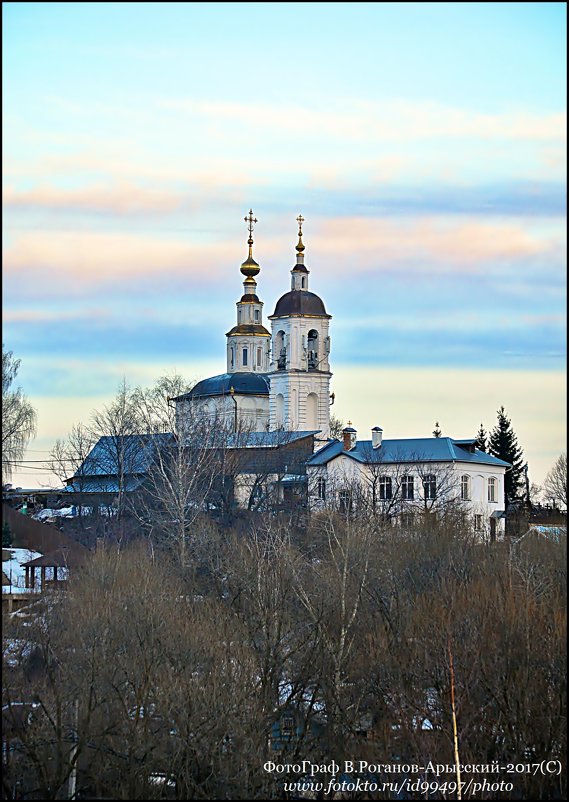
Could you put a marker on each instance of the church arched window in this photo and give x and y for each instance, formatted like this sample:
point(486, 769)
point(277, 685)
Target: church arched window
point(259, 357)
point(279, 410)
point(245, 356)
point(312, 349)
point(257, 316)
point(232, 356)
point(280, 350)
point(312, 410)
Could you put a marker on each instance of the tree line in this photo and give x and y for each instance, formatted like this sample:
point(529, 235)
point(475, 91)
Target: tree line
point(150, 679)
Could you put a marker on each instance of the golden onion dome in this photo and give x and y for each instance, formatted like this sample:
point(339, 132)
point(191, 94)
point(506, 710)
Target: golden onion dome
point(250, 267)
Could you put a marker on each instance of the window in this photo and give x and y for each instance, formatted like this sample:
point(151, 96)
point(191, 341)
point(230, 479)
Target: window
point(287, 725)
point(345, 499)
point(385, 488)
point(407, 490)
point(492, 489)
point(312, 353)
point(430, 486)
point(407, 520)
point(232, 356)
point(465, 494)
point(245, 356)
point(477, 523)
point(280, 350)
point(257, 316)
point(321, 488)
point(259, 357)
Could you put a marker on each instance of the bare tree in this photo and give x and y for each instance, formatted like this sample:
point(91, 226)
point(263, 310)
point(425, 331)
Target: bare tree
point(117, 427)
point(178, 482)
point(19, 418)
point(155, 409)
point(336, 427)
point(331, 588)
point(66, 459)
point(555, 486)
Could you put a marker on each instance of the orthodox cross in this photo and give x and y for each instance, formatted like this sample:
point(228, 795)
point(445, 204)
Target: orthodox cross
point(300, 221)
point(250, 219)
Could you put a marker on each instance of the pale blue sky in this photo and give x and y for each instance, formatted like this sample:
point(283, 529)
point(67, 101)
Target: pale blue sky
point(423, 143)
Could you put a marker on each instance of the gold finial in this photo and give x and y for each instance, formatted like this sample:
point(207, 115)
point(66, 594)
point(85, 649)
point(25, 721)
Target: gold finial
point(250, 267)
point(300, 221)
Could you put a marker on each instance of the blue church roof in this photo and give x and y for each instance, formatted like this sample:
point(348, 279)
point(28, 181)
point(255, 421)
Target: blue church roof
point(136, 452)
point(267, 439)
point(421, 449)
point(242, 383)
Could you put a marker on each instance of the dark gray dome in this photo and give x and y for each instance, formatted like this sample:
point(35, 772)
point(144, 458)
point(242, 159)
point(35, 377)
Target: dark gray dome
point(242, 383)
point(300, 302)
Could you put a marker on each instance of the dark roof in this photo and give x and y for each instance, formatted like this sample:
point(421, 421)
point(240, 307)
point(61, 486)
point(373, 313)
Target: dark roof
point(242, 383)
point(61, 558)
point(137, 451)
point(300, 302)
point(266, 439)
point(104, 484)
point(35, 535)
point(426, 449)
point(250, 297)
point(249, 328)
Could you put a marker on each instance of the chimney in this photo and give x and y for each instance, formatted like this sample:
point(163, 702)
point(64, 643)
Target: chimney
point(350, 436)
point(376, 436)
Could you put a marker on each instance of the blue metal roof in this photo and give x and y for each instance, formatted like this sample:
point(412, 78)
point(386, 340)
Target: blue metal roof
point(425, 449)
point(103, 484)
point(242, 383)
point(266, 439)
point(136, 452)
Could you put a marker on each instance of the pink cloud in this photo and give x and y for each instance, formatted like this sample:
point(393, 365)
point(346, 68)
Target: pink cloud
point(123, 199)
point(88, 259)
point(427, 242)
point(49, 315)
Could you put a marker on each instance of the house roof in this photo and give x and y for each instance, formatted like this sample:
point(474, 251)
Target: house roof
point(60, 558)
point(242, 383)
point(425, 449)
point(104, 484)
point(137, 451)
point(266, 439)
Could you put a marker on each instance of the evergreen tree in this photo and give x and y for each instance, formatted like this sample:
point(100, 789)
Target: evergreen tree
point(437, 430)
point(503, 444)
point(481, 438)
point(6, 535)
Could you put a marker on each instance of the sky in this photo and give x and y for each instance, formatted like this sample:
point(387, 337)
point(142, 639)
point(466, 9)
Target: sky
point(423, 143)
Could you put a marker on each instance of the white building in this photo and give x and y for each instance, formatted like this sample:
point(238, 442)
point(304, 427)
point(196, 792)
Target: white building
point(280, 382)
point(400, 478)
point(272, 382)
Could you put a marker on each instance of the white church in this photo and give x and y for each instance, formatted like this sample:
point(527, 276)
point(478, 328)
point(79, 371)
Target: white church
point(279, 382)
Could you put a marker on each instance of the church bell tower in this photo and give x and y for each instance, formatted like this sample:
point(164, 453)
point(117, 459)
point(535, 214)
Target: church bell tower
point(299, 397)
point(248, 343)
